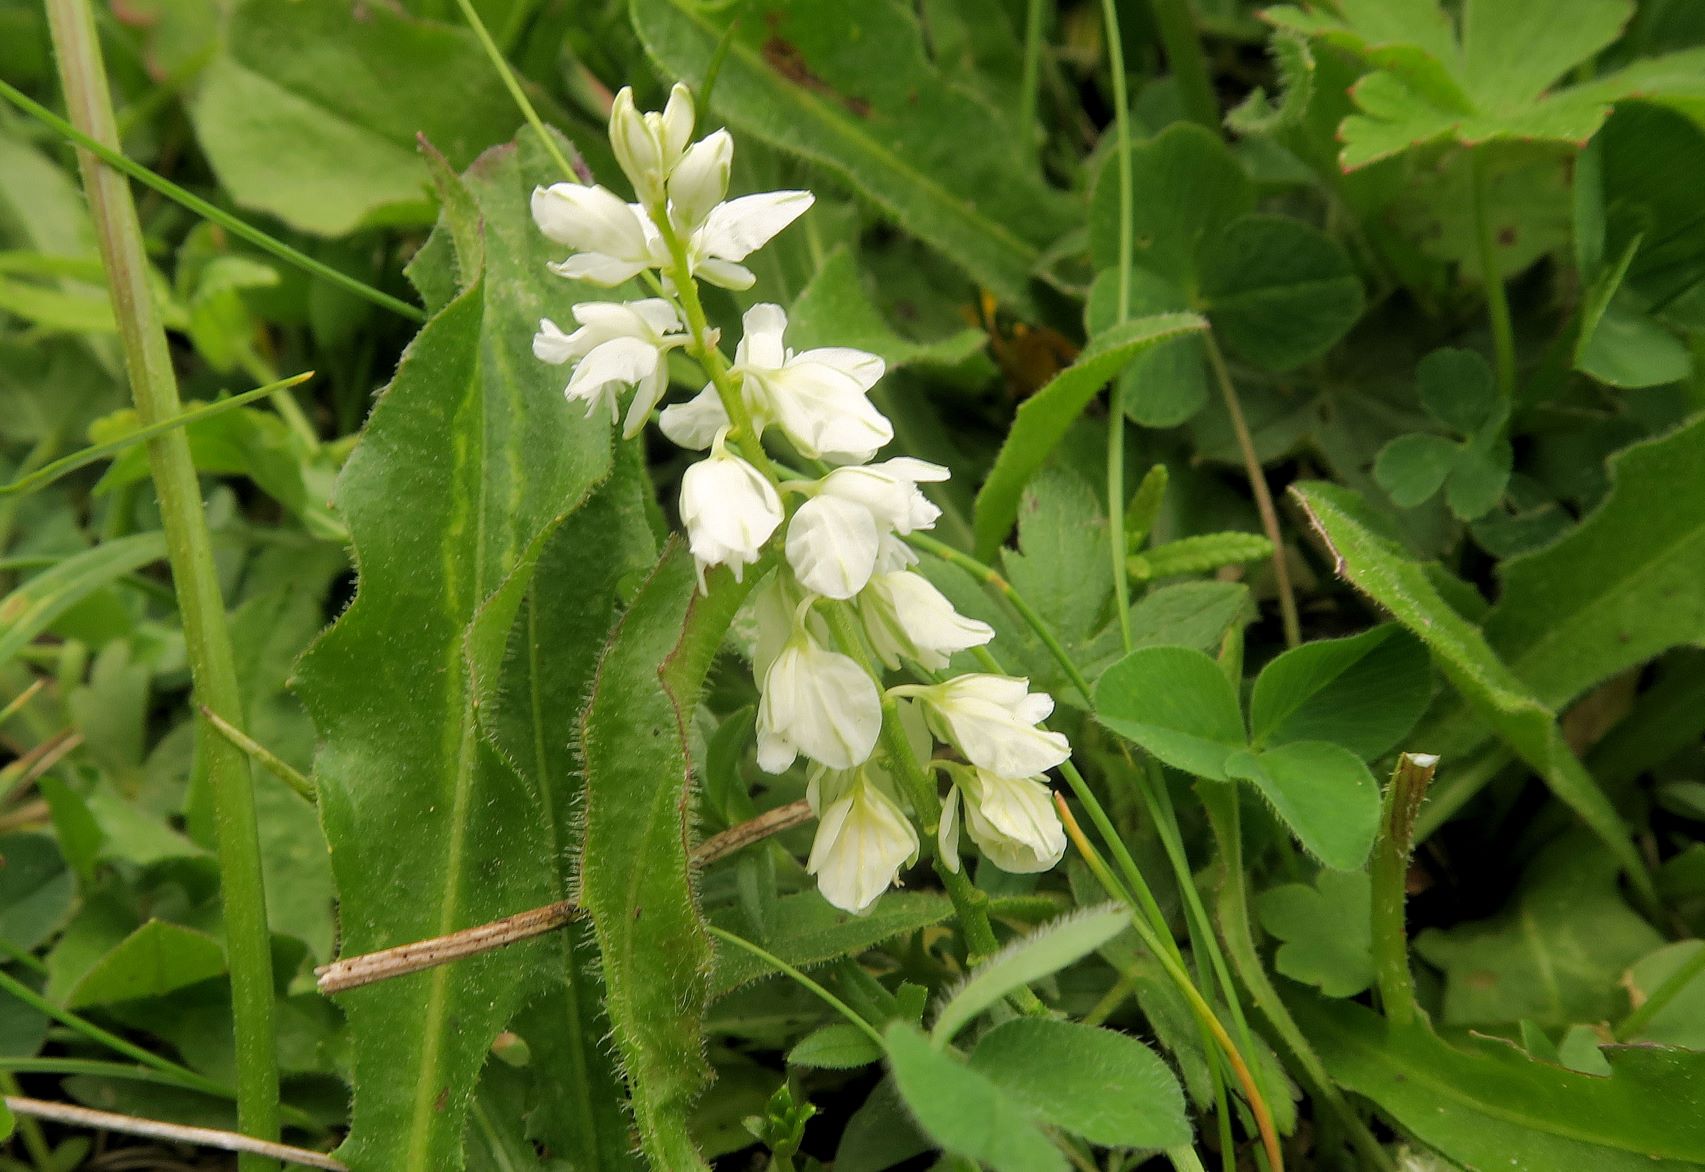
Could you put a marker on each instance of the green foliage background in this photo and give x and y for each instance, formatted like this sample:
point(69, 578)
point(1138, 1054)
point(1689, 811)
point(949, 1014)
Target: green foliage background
point(1399, 306)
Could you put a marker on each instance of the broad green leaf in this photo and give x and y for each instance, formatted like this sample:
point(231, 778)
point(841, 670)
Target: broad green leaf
point(1412, 468)
point(310, 111)
point(1278, 292)
point(1681, 1022)
point(1326, 929)
point(1322, 791)
point(1555, 956)
point(962, 1110)
point(1044, 951)
point(1186, 186)
point(156, 958)
point(1044, 418)
point(806, 930)
point(36, 889)
point(852, 87)
point(636, 880)
point(31, 608)
point(1627, 348)
point(841, 1046)
point(1650, 167)
point(835, 310)
point(1492, 81)
point(1486, 1104)
point(470, 459)
point(1458, 389)
point(1060, 565)
point(1105, 1086)
point(553, 648)
point(1363, 692)
point(1176, 703)
point(1461, 651)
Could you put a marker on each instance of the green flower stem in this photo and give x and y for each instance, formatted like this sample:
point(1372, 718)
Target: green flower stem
point(108, 153)
point(992, 578)
point(1180, 977)
point(1220, 801)
point(1189, 64)
point(781, 966)
point(1116, 497)
point(513, 85)
point(1030, 81)
point(1491, 271)
point(190, 552)
point(1389, 870)
point(1258, 486)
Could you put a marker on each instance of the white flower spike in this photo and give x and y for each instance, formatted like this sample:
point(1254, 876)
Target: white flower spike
point(819, 703)
point(648, 146)
point(610, 238)
point(906, 617)
point(729, 509)
point(992, 720)
point(618, 344)
point(863, 839)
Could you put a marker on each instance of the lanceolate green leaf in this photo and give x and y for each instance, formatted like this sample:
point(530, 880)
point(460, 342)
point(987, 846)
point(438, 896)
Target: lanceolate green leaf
point(1043, 419)
point(528, 708)
point(635, 876)
point(851, 86)
point(470, 459)
point(1486, 1104)
point(28, 610)
point(1460, 650)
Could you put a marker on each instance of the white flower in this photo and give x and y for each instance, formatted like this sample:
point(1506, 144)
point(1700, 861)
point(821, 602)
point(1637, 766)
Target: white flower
point(700, 180)
point(863, 838)
point(1011, 819)
point(905, 615)
point(818, 397)
point(729, 509)
point(734, 230)
point(648, 146)
point(992, 720)
point(889, 490)
point(832, 546)
point(816, 702)
point(618, 344)
point(611, 238)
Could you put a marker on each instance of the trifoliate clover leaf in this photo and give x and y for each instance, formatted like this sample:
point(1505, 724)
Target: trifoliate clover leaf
point(1457, 389)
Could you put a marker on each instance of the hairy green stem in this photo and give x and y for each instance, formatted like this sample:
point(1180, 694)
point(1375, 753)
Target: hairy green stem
point(189, 547)
point(1189, 64)
point(1491, 271)
point(1258, 486)
point(1389, 871)
point(109, 153)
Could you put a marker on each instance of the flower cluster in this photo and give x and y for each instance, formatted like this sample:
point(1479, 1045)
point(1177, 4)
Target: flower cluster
point(842, 602)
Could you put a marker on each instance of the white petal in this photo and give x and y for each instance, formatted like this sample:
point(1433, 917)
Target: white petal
point(985, 717)
point(863, 841)
point(694, 424)
point(647, 392)
point(618, 362)
point(636, 148)
point(905, 615)
point(736, 229)
point(551, 345)
point(677, 121)
point(761, 345)
point(1014, 823)
point(947, 833)
point(589, 219)
point(823, 410)
point(729, 510)
point(595, 268)
point(725, 274)
point(832, 546)
point(824, 702)
point(865, 369)
point(700, 180)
